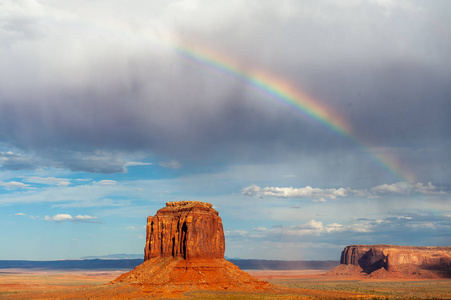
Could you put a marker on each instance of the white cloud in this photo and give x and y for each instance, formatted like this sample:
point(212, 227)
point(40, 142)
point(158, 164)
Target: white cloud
point(171, 164)
point(404, 188)
point(260, 229)
point(84, 195)
point(357, 227)
point(312, 224)
point(48, 180)
point(320, 195)
point(59, 218)
point(137, 163)
point(334, 227)
point(64, 183)
point(320, 200)
point(427, 189)
point(399, 188)
point(373, 231)
point(106, 182)
point(67, 217)
point(84, 217)
point(252, 191)
point(235, 233)
point(20, 214)
point(312, 227)
point(363, 227)
point(14, 184)
point(306, 192)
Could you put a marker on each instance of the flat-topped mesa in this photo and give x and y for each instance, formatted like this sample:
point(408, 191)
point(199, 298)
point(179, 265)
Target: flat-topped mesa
point(397, 258)
point(185, 252)
point(187, 229)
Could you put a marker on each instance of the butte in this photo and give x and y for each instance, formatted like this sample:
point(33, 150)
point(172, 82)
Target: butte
point(391, 261)
point(185, 252)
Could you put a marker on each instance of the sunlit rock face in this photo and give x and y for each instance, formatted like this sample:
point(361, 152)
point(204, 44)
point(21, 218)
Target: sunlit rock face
point(187, 229)
point(397, 258)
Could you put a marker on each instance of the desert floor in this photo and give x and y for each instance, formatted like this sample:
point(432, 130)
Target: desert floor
point(302, 284)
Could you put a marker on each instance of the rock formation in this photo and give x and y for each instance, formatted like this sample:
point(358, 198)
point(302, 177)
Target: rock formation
point(187, 229)
point(185, 251)
point(401, 259)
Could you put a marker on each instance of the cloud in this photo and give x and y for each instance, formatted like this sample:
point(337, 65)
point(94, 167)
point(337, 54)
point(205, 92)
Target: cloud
point(14, 185)
point(15, 161)
point(69, 218)
point(114, 91)
point(106, 182)
point(137, 163)
point(81, 119)
point(320, 195)
point(416, 227)
point(424, 228)
point(320, 200)
point(404, 188)
point(90, 161)
point(413, 225)
point(20, 214)
point(171, 164)
point(306, 192)
point(84, 218)
point(94, 162)
point(59, 218)
point(83, 195)
point(311, 228)
point(48, 180)
point(235, 233)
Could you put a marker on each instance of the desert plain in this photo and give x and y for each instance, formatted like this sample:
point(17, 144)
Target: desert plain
point(289, 284)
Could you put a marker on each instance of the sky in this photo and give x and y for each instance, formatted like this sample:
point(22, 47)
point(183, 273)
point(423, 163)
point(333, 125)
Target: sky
point(309, 125)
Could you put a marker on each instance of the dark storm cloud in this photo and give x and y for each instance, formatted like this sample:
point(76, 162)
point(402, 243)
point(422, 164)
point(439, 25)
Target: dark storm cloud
point(78, 93)
point(13, 161)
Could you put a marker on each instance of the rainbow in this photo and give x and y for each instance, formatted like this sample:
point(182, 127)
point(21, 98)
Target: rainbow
point(282, 91)
point(271, 86)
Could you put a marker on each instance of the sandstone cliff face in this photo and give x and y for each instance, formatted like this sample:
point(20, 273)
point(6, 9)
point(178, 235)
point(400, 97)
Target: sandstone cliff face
point(397, 258)
point(187, 229)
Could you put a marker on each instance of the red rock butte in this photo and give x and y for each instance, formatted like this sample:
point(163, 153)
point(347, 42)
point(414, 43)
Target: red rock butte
point(187, 229)
point(184, 251)
point(399, 261)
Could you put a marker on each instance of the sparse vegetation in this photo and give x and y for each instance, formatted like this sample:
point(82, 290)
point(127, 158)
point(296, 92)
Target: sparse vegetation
point(376, 289)
point(66, 285)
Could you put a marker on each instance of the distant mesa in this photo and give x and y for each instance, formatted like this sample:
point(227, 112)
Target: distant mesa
point(114, 256)
point(394, 261)
point(184, 251)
